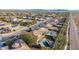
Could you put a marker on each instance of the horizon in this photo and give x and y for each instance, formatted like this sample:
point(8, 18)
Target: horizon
point(41, 9)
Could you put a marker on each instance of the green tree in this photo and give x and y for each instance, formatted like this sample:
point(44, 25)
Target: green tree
point(61, 39)
point(28, 38)
point(9, 44)
point(23, 23)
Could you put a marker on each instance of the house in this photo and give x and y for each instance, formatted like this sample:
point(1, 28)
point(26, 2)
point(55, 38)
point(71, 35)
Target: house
point(50, 21)
point(16, 43)
point(53, 21)
point(55, 29)
point(39, 34)
point(59, 26)
point(39, 31)
point(61, 23)
point(35, 27)
point(42, 25)
point(41, 19)
point(29, 17)
point(47, 43)
point(26, 20)
point(15, 21)
point(44, 43)
point(51, 33)
point(5, 30)
point(49, 26)
point(25, 17)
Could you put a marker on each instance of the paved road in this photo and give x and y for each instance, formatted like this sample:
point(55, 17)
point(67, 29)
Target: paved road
point(74, 38)
point(18, 32)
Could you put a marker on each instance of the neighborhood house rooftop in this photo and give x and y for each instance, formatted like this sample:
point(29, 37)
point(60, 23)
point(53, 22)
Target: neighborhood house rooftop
point(51, 33)
point(39, 31)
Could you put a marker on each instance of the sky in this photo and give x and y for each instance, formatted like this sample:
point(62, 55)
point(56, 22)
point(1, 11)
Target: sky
point(39, 4)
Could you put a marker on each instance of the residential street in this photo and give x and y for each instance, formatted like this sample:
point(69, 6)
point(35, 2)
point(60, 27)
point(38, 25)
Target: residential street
point(74, 38)
point(18, 32)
